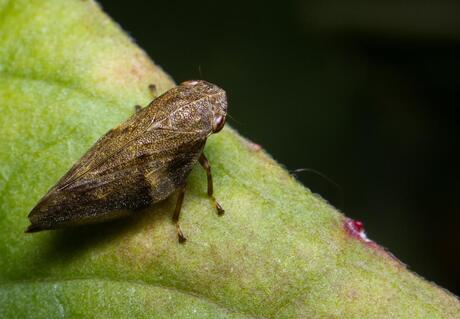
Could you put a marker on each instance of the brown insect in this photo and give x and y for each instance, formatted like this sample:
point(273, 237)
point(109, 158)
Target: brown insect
point(139, 163)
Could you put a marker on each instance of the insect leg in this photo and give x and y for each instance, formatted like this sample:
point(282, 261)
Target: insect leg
point(153, 90)
point(180, 199)
point(204, 162)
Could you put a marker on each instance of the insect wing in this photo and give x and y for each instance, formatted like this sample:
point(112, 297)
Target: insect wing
point(145, 141)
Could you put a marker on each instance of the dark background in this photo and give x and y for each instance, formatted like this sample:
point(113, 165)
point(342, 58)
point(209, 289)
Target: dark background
point(364, 92)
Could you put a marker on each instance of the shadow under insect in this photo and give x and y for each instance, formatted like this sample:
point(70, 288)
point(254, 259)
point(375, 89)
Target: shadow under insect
point(69, 243)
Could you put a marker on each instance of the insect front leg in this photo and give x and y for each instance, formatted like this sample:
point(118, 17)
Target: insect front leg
point(204, 162)
point(153, 93)
point(153, 90)
point(180, 199)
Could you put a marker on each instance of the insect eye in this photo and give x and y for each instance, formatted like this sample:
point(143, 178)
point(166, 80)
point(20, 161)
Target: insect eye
point(219, 123)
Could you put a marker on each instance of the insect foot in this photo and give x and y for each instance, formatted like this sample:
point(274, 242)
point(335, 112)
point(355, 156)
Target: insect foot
point(220, 210)
point(205, 164)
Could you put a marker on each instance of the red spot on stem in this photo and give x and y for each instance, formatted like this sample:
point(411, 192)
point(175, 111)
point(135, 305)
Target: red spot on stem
point(356, 229)
point(358, 225)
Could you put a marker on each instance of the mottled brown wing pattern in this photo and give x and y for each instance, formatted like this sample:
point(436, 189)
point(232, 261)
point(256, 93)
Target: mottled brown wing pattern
point(155, 118)
point(153, 151)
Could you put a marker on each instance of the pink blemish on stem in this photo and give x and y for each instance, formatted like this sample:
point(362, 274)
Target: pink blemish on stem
point(253, 146)
point(356, 229)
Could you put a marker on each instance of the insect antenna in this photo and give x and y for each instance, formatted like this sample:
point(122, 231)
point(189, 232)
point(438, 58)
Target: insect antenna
point(328, 179)
point(234, 119)
point(199, 71)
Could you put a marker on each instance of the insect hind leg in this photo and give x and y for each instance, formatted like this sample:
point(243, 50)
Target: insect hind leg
point(179, 201)
point(137, 108)
point(205, 164)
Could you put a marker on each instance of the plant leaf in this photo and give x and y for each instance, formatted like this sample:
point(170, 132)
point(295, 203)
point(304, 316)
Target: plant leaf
point(67, 75)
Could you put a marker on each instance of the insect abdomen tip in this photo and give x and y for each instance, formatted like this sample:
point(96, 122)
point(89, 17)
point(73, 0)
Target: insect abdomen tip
point(32, 229)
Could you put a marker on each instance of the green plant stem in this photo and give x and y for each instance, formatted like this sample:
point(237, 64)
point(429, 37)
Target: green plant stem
point(67, 75)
